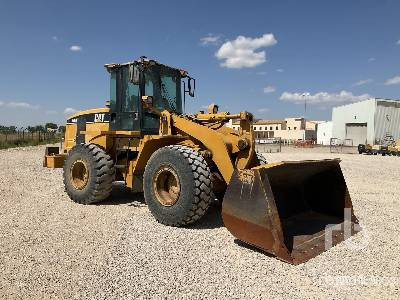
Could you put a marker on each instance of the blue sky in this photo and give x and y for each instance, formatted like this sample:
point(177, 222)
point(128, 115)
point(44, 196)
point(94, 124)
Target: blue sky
point(260, 56)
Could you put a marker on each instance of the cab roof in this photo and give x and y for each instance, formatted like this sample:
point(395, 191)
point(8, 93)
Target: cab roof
point(144, 61)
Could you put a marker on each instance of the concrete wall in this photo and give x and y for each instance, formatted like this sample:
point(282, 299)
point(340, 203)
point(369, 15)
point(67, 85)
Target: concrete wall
point(360, 112)
point(264, 127)
point(292, 135)
point(295, 123)
point(324, 133)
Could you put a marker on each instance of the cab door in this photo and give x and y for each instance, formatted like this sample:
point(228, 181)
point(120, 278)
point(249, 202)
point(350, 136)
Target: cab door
point(150, 121)
point(124, 102)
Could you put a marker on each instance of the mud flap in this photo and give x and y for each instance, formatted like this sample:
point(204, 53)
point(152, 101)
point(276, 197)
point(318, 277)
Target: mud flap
point(293, 210)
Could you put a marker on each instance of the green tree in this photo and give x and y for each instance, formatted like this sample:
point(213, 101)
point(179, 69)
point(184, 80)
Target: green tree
point(8, 128)
point(39, 128)
point(51, 126)
point(61, 129)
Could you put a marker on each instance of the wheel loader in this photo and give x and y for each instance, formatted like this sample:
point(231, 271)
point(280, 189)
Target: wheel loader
point(182, 162)
point(394, 149)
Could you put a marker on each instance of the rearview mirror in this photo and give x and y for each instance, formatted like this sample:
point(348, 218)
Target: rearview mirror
point(191, 86)
point(134, 74)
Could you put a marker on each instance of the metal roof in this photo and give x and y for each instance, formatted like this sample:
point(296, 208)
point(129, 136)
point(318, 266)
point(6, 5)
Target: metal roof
point(145, 61)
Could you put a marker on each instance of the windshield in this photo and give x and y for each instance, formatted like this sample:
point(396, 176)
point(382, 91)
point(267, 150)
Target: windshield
point(164, 85)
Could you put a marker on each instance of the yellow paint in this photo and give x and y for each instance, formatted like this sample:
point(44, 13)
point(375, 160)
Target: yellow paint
point(90, 111)
point(211, 140)
point(70, 136)
point(54, 161)
point(93, 134)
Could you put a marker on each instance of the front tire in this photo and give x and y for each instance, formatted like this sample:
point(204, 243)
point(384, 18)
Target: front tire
point(88, 174)
point(177, 185)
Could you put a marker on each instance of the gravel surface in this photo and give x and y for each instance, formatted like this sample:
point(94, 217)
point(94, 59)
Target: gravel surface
point(51, 247)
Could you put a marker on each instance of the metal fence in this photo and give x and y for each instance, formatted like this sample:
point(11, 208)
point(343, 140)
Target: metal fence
point(23, 135)
point(341, 146)
point(269, 145)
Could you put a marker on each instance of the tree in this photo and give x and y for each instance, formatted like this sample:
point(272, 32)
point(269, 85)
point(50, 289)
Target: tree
point(61, 129)
point(39, 128)
point(51, 126)
point(8, 129)
point(30, 129)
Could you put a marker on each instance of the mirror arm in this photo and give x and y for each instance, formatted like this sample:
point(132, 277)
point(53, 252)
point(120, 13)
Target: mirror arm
point(184, 95)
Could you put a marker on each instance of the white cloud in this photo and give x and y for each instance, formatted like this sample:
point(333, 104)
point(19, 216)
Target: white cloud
point(323, 98)
point(69, 111)
point(75, 48)
point(210, 39)
point(269, 89)
point(263, 110)
point(398, 42)
point(371, 59)
point(241, 52)
point(54, 38)
point(15, 104)
point(280, 70)
point(262, 73)
point(393, 80)
point(362, 82)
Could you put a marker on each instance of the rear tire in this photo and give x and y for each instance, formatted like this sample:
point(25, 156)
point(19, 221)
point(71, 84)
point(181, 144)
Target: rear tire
point(190, 193)
point(88, 174)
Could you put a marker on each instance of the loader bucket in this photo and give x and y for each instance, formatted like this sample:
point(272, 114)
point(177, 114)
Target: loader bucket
point(293, 210)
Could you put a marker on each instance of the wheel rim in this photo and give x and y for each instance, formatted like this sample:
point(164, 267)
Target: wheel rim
point(166, 186)
point(79, 174)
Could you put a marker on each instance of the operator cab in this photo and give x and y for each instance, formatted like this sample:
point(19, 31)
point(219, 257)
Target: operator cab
point(140, 88)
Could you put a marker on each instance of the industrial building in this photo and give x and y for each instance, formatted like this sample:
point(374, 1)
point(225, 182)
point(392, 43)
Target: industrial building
point(367, 121)
point(324, 133)
point(289, 129)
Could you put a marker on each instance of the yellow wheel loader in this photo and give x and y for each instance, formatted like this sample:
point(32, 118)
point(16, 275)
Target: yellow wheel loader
point(182, 162)
point(394, 149)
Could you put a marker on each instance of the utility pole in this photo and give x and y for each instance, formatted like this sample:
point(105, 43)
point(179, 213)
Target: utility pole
point(305, 95)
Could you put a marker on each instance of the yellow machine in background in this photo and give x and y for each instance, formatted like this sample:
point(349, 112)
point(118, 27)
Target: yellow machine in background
point(394, 149)
point(386, 149)
point(182, 162)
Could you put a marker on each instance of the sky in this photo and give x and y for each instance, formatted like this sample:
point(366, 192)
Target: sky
point(266, 57)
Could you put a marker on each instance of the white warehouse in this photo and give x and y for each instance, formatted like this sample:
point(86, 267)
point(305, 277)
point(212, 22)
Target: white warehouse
point(367, 121)
point(324, 133)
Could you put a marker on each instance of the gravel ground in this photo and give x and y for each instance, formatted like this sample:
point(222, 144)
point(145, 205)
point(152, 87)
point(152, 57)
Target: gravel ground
point(53, 248)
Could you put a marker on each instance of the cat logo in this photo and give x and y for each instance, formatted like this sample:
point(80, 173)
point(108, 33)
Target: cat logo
point(98, 118)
